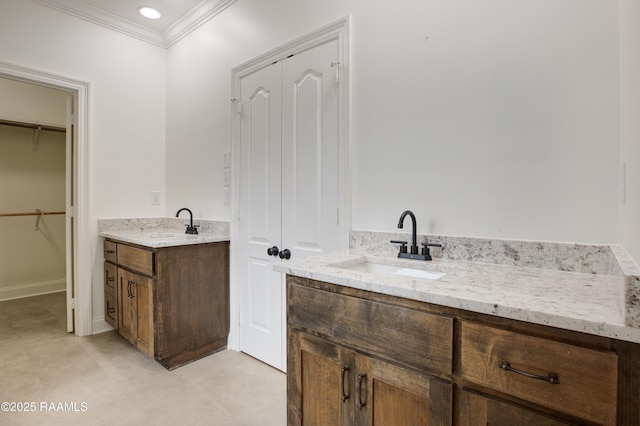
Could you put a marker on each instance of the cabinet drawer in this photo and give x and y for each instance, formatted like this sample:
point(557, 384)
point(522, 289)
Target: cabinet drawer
point(413, 338)
point(110, 276)
point(110, 313)
point(587, 378)
point(477, 410)
point(110, 251)
point(139, 260)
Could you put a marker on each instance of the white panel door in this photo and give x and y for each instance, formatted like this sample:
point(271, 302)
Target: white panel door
point(260, 288)
point(289, 188)
point(310, 152)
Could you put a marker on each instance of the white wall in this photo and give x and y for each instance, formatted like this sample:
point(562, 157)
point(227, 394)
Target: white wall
point(127, 106)
point(486, 118)
point(630, 125)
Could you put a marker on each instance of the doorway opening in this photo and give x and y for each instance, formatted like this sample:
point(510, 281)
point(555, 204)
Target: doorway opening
point(77, 281)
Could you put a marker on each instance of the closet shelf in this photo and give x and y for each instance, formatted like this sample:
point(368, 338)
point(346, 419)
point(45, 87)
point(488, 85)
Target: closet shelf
point(32, 126)
point(36, 213)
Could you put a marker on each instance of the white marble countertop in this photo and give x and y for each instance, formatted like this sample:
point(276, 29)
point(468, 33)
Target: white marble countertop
point(588, 303)
point(155, 238)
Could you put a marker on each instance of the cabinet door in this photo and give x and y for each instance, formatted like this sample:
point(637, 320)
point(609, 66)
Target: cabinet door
point(386, 394)
point(331, 385)
point(320, 382)
point(135, 294)
point(126, 311)
point(477, 410)
point(142, 290)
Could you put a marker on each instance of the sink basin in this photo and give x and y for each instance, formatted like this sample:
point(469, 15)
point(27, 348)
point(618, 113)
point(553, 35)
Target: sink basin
point(163, 235)
point(383, 269)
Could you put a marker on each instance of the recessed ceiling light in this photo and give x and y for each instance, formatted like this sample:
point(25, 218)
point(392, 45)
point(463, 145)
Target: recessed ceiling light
point(149, 12)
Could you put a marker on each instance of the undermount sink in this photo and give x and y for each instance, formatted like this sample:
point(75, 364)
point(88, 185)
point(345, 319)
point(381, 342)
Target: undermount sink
point(163, 235)
point(384, 269)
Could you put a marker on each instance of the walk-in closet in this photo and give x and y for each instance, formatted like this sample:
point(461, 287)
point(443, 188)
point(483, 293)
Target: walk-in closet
point(32, 192)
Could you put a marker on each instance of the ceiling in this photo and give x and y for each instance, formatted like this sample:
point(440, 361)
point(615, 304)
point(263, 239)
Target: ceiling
point(179, 17)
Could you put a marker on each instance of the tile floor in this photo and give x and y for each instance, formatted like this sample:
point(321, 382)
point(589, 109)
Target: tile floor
point(105, 381)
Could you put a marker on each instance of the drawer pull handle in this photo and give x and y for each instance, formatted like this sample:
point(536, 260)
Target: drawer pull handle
point(109, 251)
point(110, 278)
point(344, 395)
point(361, 403)
point(551, 378)
point(130, 285)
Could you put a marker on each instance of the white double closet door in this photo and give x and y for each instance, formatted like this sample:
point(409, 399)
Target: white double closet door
point(288, 188)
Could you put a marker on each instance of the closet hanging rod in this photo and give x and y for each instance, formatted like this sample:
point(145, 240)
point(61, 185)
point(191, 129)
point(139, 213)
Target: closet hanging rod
point(32, 126)
point(29, 214)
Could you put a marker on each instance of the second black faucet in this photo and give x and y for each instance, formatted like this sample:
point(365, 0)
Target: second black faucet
point(413, 253)
point(190, 228)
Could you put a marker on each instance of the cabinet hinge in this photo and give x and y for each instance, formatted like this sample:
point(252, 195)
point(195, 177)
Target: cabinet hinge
point(238, 105)
point(336, 65)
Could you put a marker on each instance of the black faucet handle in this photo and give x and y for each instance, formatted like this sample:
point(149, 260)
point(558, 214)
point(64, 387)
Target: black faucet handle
point(403, 245)
point(426, 244)
point(425, 248)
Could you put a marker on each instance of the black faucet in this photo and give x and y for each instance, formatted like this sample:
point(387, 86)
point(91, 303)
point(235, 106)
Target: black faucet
point(190, 228)
point(413, 254)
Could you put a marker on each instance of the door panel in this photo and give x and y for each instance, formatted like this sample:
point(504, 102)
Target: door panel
point(260, 289)
point(310, 142)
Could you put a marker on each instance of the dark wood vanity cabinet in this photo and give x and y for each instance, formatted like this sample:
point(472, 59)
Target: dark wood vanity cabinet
point(361, 358)
point(172, 303)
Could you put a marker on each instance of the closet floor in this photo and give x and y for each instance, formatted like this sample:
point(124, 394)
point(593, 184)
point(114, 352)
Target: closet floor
point(103, 380)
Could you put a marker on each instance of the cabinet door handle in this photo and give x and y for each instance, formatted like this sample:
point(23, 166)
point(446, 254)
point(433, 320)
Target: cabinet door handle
point(273, 251)
point(361, 403)
point(344, 370)
point(551, 377)
point(131, 284)
point(110, 278)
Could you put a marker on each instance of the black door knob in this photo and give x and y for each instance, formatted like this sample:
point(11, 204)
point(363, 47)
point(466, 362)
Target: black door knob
point(285, 254)
point(273, 251)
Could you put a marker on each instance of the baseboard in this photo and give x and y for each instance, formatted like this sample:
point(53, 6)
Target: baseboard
point(101, 326)
point(32, 289)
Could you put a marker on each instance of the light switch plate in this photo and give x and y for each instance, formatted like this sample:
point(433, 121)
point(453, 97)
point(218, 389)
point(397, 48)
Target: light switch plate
point(155, 198)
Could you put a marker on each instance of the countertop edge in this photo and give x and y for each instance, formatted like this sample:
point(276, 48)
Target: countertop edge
point(174, 240)
point(576, 323)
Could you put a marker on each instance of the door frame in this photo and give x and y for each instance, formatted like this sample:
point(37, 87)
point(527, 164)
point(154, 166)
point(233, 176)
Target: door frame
point(337, 30)
point(79, 235)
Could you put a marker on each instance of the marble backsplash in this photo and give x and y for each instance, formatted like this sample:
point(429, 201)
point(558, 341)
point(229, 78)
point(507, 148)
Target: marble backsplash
point(593, 259)
point(163, 224)
point(583, 258)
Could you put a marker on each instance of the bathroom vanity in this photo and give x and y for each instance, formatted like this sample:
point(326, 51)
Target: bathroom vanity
point(168, 294)
point(365, 347)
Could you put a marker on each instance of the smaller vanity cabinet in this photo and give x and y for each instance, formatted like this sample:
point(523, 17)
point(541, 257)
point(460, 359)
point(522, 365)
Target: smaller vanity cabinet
point(353, 361)
point(171, 303)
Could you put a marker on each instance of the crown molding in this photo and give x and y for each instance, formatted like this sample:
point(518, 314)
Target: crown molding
point(105, 19)
point(197, 16)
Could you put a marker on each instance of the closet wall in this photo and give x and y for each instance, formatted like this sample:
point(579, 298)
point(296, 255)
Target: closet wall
point(31, 177)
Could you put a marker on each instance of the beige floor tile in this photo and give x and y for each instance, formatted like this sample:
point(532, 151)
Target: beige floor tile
point(107, 381)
